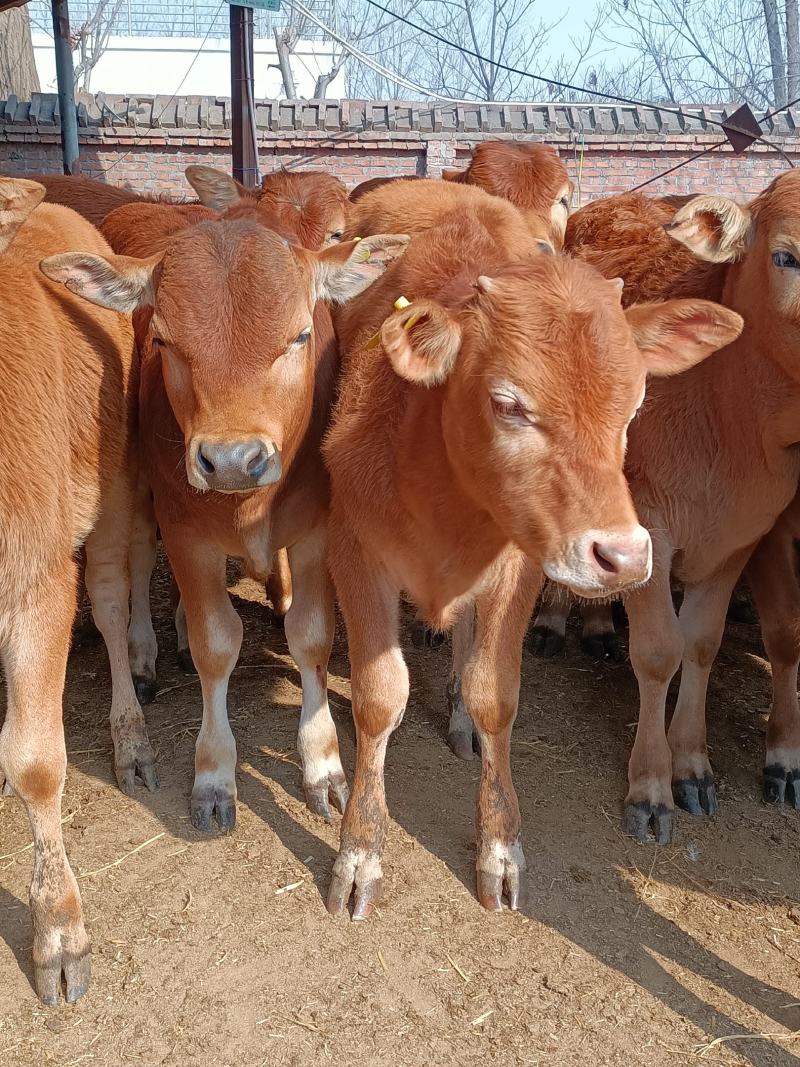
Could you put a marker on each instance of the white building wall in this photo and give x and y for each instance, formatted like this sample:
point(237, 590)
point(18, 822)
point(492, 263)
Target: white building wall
point(161, 65)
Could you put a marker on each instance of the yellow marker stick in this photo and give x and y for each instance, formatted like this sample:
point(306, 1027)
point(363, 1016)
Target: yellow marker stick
point(399, 305)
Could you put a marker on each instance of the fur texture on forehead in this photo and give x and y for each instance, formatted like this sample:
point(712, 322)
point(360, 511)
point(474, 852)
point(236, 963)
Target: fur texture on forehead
point(305, 203)
point(237, 277)
point(529, 175)
point(780, 200)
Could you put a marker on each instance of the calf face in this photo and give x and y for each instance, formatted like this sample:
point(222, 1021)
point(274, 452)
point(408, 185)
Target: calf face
point(233, 319)
point(542, 371)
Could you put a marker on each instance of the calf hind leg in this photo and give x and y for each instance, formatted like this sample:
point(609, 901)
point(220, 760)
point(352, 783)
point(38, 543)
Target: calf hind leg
point(142, 644)
point(599, 639)
point(33, 760)
point(461, 735)
point(549, 634)
point(108, 589)
point(310, 625)
point(773, 580)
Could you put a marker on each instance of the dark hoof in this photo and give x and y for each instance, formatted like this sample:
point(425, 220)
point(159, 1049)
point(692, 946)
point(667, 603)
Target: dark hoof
point(741, 609)
point(185, 661)
point(698, 796)
point(604, 647)
point(319, 795)
point(648, 822)
point(211, 804)
point(423, 636)
point(275, 619)
point(365, 897)
point(77, 972)
point(546, 643)
point(464, 744)
point(146, 689)
point(136, 761)
point(782, 786)
point(494, 888)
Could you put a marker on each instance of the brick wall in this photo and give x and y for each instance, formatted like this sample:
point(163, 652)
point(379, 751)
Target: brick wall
point(145, 143)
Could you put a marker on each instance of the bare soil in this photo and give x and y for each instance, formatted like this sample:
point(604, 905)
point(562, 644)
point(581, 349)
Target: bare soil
point(217, 950)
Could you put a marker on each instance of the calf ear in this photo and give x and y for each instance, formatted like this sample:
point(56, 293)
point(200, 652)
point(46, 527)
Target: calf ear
point(120, 283)
point(214, 188)
point(345, 270)
point(422, 342)
point(674, 335)
point(18, 198)
point(714, 228)
point(450, 175)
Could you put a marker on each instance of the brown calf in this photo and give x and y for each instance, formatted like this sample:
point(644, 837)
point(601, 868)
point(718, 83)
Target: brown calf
point(67, 402)
point(530, 175)
point(481, 443)
point(239, 364)
point(711, 467)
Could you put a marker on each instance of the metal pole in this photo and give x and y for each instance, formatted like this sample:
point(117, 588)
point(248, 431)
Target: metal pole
point(66, 87)
point(245, 152)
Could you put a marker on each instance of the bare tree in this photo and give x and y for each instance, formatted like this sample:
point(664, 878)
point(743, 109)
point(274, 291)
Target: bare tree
point(90, 40)
point(772, 22)
point(18, 75)
point(792, 50)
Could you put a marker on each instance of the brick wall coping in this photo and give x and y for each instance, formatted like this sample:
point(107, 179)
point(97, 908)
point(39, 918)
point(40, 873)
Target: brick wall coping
point(159, 119)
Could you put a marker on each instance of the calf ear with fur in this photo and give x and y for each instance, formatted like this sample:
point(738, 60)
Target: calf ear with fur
point(422, 342)
point(674, 335)
point(18, 198)
point(214, 188)
point(714, 228)
point(120, 283)
point(345, 270)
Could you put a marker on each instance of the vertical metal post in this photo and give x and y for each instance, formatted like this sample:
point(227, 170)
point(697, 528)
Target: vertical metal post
point(66, 86)
point(245, 151)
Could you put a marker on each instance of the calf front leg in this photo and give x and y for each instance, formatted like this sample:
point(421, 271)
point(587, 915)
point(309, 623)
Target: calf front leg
point(279, 587)
point(215, 639)
point(33, 760)
point(702, 622)
point(656, 645)
point(310, 624)
point(142, 644)
point(107, 584)
point(599, 638)
point(772, 573)
point(491, 693)
point(379, 681)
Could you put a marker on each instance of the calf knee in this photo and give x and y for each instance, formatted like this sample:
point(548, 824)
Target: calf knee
point(657, 661)
point(782, 644)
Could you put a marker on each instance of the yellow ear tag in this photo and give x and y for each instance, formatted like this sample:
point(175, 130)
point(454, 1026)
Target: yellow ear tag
point(399, 305)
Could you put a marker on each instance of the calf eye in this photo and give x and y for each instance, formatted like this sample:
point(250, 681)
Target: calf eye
point(509, 409)
point(564, 201)
point(304, 337)
point(783, 258)
point(337, 236)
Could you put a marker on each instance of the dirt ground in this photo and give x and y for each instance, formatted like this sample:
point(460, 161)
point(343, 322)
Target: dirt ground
point(218, 951)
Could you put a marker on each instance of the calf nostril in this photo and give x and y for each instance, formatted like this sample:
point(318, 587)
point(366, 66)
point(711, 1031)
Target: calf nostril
point(204, 463)
point(257, 466)
point(602, 560)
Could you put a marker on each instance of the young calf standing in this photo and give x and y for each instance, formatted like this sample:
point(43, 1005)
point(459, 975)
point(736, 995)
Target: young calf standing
point(479, 444)
point(67, 403)
point(239, 365)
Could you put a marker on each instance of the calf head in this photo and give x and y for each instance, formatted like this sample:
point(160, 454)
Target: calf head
point(310, 205)
point(762, 243)
point(530, 175)
point(541, 372)
point(232, 318)
point(18, 198)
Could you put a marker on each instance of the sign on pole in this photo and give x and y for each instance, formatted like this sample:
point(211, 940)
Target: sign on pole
point(262, 5)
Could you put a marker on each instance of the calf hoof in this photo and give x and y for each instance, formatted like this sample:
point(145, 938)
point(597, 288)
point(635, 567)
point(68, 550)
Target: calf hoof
point(209, 803)
point(68, 956)
point(185, 661)
point(499, 875)
point(146, 688)
point(320, 794)
point(464, 743)
point(276, 619)
point(698, 796)
point(423, 636)
point(603, 646)
point(647, 821)
point(356, 873)
point(546, 643)
point(133, 758)
point(782, 785)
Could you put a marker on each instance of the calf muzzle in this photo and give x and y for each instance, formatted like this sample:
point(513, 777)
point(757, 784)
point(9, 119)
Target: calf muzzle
point(233, 466)
point(600, 563)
